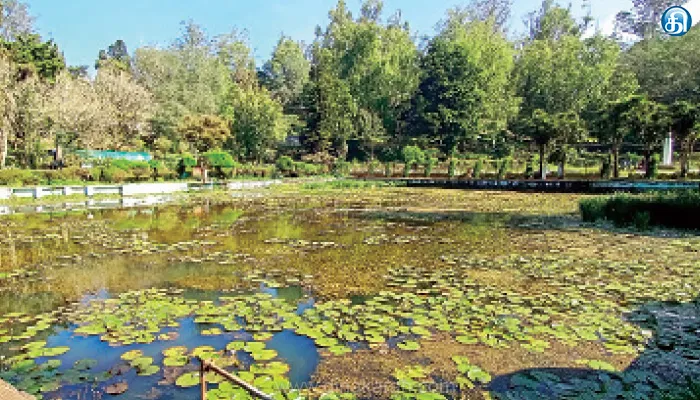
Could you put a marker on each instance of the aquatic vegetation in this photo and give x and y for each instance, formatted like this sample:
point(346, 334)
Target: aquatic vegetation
point(424, 293)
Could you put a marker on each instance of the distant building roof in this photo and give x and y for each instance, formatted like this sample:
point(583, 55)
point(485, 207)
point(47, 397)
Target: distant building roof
point(119, 155)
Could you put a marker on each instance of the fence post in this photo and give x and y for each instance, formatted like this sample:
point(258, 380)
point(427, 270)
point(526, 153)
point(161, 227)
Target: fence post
point(203, 379)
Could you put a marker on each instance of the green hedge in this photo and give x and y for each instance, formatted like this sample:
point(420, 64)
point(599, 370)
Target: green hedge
point(672, 210)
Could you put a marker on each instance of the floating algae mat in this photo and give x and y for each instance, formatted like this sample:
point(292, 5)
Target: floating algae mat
point(339, 294)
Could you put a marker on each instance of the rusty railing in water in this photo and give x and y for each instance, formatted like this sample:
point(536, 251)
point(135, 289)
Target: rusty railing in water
point(206, 366)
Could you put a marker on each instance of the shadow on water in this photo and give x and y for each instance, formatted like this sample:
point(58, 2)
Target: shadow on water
point(514, 220)
point(665, 370)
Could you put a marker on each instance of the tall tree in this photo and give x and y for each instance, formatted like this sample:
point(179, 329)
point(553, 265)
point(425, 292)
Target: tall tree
point(551, 22)
point(609, 126)
point(15, 20)
point(570, 128)
point(7, 105)
point(287, 71)
point(257, 122)
point(541, 127)
point(75, 110)
point(33, 56)
point(79, 71)
point(204, 132)
point(187, 78)
point(129, 104)
point(499, 11)
point(649, 123)
point(235, 53)
point(116, 57)
point(665, 68)
point(685, 124)
point(28, 125)
point(559, 72)
point(643, 19)
point(465, 91)
point(373, 62)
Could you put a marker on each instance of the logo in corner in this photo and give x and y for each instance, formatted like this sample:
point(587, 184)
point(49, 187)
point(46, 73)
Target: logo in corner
point(676, 21)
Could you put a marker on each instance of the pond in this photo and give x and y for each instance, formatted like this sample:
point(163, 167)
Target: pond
point(343, 293)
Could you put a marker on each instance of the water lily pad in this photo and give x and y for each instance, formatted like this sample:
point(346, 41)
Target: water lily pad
point(188, 380)
point(148, 370)
point(409, 345)
point(85, 364)
point(176, 361)
point(132, 355)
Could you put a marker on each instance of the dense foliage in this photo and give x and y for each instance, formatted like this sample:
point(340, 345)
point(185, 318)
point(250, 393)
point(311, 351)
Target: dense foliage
point(674, 210)
point(366, 88)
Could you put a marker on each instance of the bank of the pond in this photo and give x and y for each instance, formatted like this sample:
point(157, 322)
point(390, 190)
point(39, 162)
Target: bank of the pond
point(549, 186)
point(56, 199)
point(134, 189)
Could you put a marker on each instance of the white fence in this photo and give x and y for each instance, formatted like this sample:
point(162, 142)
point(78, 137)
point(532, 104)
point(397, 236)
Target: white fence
point(136, 189)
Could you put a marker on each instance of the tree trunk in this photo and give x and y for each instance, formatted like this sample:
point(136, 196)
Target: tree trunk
point(684, 160)
point(542, 151)
point(616, 161)
point(647, 161)
point(562, 168)
point(3, 148)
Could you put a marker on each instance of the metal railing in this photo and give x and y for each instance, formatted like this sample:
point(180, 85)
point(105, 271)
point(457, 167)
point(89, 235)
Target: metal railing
point(207, 366)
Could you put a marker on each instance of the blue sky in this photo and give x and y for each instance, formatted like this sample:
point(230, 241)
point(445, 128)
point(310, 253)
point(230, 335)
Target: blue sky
point(83, 27)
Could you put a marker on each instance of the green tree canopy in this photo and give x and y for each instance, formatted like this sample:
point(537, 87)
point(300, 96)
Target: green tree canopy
point(465, 91)
point(204, 132)
point(287, 71)
point(257, 122)
point(33, 56)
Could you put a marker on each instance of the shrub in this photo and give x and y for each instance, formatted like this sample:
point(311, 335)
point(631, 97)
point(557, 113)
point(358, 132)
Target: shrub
point(140, 172)
point(529, 169)
point(653, 168)
point(412, 156)
point(68, 174)
point(261, 170)
point(478, 167)
point(341, 168)
point(306, 169)
point(350, 184)
point(185, 165)
point(672, 210)
point(642, 219)
point(83, 174)
point(429, 163)
point(592, 209)
point(18, 177)
point(452, 169)
point(503, 168)
point(166, 173)
point(219, 159)
point(222, 162)
point(373, 166)
point(285, 165)
point(112, 174)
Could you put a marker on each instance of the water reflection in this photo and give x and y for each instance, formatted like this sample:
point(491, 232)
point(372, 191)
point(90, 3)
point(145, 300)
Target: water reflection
point(204, 251)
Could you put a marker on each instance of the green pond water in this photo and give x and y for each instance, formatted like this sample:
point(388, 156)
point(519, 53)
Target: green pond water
point(374, 293)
